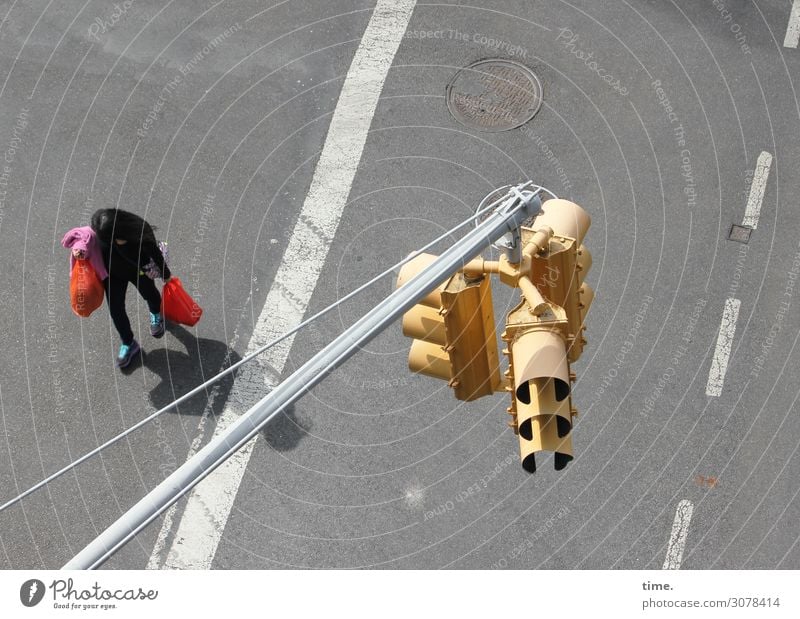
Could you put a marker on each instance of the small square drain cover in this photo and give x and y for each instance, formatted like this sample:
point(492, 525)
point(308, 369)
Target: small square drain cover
point(740, 234)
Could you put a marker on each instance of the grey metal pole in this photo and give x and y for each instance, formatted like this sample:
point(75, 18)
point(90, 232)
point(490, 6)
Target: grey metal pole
point(508, 217)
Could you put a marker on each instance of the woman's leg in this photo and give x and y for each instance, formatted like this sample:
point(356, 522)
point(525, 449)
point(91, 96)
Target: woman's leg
point(147, 288)
point(115, 295)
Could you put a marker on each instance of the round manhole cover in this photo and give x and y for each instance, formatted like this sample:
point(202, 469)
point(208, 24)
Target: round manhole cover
point(494, 95)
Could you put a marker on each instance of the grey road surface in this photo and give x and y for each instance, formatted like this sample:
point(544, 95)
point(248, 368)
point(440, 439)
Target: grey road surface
point(209, 119)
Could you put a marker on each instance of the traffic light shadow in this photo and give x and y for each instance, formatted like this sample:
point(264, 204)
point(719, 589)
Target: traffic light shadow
point(283, 432)
point(180, 372)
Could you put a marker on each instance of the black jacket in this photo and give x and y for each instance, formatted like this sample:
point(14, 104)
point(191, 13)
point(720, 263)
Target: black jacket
point(128, 261)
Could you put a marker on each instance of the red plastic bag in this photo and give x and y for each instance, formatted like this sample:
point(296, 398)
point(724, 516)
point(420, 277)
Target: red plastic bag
point(85, 288)
point(177, 305)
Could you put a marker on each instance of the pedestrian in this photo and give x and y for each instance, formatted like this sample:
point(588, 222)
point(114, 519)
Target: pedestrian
point(130, 254)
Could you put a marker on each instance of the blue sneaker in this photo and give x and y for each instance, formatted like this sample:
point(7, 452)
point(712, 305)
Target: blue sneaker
point(156, 325)
point(126, 353)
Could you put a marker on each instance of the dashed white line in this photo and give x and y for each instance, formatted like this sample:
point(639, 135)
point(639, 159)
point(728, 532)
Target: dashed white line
point(209, 504)
point(677, 537)
point(722, 353)
point(793, 30)
point(757, 188)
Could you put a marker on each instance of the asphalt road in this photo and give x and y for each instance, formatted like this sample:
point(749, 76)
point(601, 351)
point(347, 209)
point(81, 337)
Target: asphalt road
point(654, 118)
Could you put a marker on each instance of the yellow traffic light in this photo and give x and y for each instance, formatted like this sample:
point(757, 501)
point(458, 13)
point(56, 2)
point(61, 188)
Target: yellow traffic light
point(539, 381)
point(454, 333)
point(560, 270)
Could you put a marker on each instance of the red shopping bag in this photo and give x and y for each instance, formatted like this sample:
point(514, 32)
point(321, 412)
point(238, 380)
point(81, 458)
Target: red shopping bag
point(177, 305)
point(85, 288)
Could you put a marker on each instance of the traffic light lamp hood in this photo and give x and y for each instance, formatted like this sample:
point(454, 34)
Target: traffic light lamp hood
point(540, 354)
point(453, 331)
point(565, 218)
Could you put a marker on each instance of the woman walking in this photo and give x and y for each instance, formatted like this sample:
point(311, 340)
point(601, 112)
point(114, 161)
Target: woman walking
point(130, 254)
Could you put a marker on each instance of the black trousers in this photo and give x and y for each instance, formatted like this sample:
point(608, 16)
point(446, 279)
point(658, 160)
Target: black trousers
point(116, 287)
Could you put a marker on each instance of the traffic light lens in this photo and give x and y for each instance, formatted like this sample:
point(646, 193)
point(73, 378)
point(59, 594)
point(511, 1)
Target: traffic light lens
point(560, 387)
point(524, 393)
point(561, 460)
point(529, 463)
point(526, 430)
point(563, 426)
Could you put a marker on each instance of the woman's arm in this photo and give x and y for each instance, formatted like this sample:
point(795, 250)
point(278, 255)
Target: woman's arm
point(154, 252)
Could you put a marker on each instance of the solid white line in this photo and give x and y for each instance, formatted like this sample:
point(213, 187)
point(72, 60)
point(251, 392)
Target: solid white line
point(677, 538)
point(793, 30)
point(157, 555)
point(209, 504)
point(757, 188)
point(719, 364)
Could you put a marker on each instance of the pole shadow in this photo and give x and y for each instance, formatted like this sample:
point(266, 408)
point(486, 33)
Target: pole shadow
point(180, 372)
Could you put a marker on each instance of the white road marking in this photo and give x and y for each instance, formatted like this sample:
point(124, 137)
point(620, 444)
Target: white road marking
point(719, 364)
point(158, 549)
point(793, 30)
point(677, 538)
point(209, 504)
point(757, 188)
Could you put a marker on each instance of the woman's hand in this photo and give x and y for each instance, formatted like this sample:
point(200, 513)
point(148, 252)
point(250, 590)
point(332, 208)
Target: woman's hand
point(78, 254)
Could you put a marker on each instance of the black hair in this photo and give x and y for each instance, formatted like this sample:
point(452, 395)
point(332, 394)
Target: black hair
point(112, 223)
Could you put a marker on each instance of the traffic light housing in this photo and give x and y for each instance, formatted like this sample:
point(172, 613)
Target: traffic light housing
point(559, 271)
point(454, 333)
point(544, 334)
point(539, 380)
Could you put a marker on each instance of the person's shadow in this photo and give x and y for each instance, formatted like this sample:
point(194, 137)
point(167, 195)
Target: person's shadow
point(180, 372)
